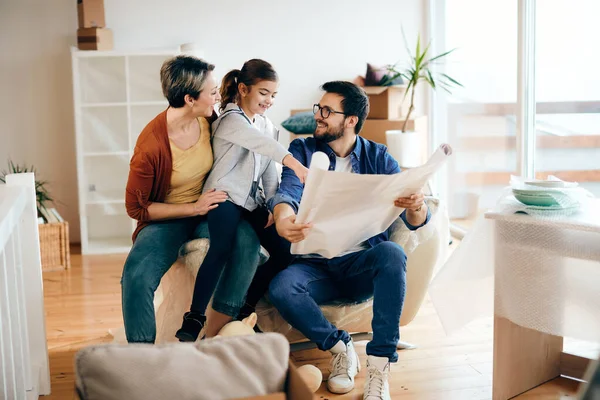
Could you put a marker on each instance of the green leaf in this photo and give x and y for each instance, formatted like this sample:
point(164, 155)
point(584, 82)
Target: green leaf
point(422, 56)
point(441, 55)
point(418, 50)
point(452, 80)
point(430, 79)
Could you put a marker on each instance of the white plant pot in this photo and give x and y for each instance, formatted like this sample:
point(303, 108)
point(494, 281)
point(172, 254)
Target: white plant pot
point(406, 147)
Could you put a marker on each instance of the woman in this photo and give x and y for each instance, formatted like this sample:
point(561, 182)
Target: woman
point(245, 149)
point(171, 160)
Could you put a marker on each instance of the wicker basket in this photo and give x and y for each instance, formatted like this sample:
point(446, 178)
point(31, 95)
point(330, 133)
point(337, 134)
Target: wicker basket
point(54, 246)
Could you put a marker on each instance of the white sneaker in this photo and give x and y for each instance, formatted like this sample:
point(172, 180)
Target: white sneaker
point(376, 386)
point(344, 366)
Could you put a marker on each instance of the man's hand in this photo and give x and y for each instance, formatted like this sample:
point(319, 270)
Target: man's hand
point(289, 230)
point(413, 202)
point(416, 210)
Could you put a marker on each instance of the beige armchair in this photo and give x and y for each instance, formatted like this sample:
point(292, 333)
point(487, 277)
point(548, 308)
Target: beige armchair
point(426, 248)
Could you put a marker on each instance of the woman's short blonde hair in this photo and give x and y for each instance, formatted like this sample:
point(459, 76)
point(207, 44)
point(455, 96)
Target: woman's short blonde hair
point(183, 75)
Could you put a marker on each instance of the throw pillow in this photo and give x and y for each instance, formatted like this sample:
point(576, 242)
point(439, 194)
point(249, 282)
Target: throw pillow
point(301, 123)
point(380, 76)
point(220, 368)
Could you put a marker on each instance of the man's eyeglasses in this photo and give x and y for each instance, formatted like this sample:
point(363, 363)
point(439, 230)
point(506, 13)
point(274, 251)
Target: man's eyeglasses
point(325, 111)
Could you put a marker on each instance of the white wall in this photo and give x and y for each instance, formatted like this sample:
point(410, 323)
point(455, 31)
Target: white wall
point(308, 42)
point(36, 102)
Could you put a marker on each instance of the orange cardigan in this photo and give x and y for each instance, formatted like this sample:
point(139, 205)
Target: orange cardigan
point(150, 170)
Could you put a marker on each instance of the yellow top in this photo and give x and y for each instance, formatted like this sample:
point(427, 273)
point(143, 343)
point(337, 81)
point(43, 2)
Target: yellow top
point(190, 168)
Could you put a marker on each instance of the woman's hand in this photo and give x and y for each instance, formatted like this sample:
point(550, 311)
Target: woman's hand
point(209, 201)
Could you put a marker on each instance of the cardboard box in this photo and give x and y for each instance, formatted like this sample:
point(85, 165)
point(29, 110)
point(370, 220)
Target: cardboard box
point(387, 102)
point(295, 389)
point(94, 39)
point(374, 129)
point(90, 13)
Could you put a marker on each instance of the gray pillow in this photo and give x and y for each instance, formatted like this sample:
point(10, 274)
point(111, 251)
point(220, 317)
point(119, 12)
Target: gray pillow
point(301, 123)
point(220, 368)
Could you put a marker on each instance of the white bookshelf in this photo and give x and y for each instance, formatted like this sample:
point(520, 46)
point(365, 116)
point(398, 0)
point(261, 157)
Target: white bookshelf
point(115, 95)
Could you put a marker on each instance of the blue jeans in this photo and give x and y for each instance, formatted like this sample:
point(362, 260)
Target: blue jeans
point(378, 272)
point(223, 224)
point(156, 249)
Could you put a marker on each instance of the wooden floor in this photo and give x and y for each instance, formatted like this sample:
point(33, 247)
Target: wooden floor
point(84, 303)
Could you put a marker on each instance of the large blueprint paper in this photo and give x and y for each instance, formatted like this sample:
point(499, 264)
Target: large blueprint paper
point(347, 209)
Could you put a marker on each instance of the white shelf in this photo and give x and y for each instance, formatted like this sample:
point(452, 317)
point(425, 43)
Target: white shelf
point(102, 80)
point(141, 114)
point(100, 105)
point(75, 52)
point(162, 103)
point(107, 197)
point(150, 103)
point(115, 245)
point(109, 228)
point(143, 83)
point(106, 154)
point(116, 94)
point(104, 129)
point(108, 201)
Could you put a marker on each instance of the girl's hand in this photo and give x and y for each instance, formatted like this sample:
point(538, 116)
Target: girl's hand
point(300, 170)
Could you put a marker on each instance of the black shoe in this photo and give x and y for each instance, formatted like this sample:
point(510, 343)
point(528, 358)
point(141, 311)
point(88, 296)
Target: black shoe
point(245, 312)
point(191, 327)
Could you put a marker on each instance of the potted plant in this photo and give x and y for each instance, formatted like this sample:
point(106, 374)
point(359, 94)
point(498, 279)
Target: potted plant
point(54, 231)
point(41, 192)
point(405, 145)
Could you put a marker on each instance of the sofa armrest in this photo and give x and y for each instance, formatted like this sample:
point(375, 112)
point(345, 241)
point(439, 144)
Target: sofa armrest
point(426, 249)
point(437, 225)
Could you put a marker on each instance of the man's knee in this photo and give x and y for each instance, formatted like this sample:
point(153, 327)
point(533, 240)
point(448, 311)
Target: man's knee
point(391, 256)
point(281, 287)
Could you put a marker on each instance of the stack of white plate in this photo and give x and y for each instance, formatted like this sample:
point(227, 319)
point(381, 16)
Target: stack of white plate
point(546, 195)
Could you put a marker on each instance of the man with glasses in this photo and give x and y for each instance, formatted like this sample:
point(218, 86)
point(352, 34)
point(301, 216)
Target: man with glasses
point(375, 268)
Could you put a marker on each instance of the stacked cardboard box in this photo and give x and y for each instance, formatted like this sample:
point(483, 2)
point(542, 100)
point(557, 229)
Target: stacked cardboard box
point(92, 33)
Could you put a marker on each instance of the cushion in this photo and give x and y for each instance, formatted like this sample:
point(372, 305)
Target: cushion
point(219, 368)
point(301, 123)
point(375, 76)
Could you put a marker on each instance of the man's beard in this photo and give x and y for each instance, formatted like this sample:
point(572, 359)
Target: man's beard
point(329, 136)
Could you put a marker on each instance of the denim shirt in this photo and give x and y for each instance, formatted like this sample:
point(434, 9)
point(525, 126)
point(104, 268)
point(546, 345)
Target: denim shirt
point(367, 158)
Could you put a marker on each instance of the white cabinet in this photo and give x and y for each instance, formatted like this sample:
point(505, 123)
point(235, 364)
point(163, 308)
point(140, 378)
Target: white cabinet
point(115, 95)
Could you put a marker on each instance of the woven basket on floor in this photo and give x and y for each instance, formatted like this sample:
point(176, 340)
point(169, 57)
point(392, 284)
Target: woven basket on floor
point(54, 246)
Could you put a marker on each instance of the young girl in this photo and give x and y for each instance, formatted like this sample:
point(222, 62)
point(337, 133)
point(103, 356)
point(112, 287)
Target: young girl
point(245, 150)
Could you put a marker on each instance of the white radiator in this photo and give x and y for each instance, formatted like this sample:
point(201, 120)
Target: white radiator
point(24, 369)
